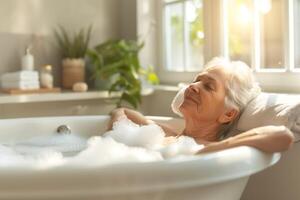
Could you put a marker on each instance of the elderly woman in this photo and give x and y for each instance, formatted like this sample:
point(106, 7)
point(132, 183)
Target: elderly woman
point(211, 103)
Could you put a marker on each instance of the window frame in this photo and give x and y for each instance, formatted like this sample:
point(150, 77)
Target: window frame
point(269, 79)
point(184, 33)
point(210, 47)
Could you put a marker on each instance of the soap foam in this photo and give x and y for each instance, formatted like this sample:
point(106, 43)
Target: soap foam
point(43, 159)
point(127, 142)
point(125, 131)
point(184, 145)
point(102, 151)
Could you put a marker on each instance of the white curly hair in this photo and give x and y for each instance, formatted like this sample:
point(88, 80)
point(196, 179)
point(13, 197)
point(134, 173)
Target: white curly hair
point(241, 86)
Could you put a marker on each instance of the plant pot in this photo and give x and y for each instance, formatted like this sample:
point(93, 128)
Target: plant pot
point(73, 71)
point(104, 84)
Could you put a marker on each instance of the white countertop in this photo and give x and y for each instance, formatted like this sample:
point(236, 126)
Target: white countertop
point(62, 96)
point(69, 95)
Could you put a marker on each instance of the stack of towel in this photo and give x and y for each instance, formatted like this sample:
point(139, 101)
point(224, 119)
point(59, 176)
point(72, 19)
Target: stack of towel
point(20, 80)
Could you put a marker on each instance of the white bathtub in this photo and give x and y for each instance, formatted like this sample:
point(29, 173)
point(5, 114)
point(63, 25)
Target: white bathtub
point(221, 175)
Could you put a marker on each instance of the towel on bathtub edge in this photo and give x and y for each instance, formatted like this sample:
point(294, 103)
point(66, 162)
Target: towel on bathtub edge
point(271, 109)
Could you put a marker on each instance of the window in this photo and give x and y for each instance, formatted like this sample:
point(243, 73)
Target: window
point(263, 33)
point(255, 33)
point(271, 34)
point(296, 24)
point(238, 29)
point(184, 34)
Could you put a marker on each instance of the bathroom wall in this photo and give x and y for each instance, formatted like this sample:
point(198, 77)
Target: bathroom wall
point(128, 19)
point(33, 21)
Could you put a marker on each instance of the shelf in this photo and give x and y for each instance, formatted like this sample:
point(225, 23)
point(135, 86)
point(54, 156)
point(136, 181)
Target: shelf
point(168, 88)
point(62, 96)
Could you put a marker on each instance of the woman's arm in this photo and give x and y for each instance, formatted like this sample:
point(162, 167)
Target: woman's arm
point(268, 139)
point(137, 118)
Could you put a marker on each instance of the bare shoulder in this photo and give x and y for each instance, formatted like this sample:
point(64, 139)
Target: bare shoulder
point(168, 129)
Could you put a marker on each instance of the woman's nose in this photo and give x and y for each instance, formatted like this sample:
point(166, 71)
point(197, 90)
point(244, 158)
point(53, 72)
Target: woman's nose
point(194, 87)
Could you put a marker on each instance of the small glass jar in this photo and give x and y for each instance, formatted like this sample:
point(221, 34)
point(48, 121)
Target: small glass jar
point(46, 77)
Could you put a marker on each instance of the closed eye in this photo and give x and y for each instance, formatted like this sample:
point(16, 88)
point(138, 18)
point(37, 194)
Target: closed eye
point(196, 80)
point(208, 86)
point(208, 82)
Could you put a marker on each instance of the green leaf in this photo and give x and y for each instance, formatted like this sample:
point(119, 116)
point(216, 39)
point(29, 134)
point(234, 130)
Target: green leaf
point(87, 38)
point(111, 68)
point(119, 59)
point(73, 47)
point(130, 99)
point(121, 82)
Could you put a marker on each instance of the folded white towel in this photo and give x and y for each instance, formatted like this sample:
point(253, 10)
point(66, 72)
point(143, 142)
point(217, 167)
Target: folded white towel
point(20, 76)
point(178, 100)
point(20, 85)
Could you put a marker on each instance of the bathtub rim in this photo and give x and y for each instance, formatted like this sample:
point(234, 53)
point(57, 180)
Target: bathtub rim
point(263, 160)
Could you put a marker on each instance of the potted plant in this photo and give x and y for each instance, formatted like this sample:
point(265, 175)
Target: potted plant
point(73, 50)
point(115, 66)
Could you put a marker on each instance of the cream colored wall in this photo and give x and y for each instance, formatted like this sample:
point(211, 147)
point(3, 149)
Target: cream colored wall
point(41, 16)
point(158, 104)
point(33, 21)
point(128, 19)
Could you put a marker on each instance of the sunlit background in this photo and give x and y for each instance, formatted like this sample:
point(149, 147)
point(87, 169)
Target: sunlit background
point(254, 31)
point(184, 35)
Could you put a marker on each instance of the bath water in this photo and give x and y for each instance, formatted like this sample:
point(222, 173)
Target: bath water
point(126, 142)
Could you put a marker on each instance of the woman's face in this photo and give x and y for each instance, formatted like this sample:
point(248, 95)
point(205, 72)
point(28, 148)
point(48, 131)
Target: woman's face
point(204, 98)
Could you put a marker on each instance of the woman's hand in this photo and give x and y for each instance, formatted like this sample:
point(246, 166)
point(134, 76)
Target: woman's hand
point(123, 113)
point(115, 115)
point(138, 118)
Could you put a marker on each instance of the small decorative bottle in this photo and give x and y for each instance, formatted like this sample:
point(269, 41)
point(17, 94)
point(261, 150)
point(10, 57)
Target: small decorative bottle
point(28, 60)
point(46, 77)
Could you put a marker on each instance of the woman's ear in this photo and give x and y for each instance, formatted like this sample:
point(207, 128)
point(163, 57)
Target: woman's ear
point(228, 116)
